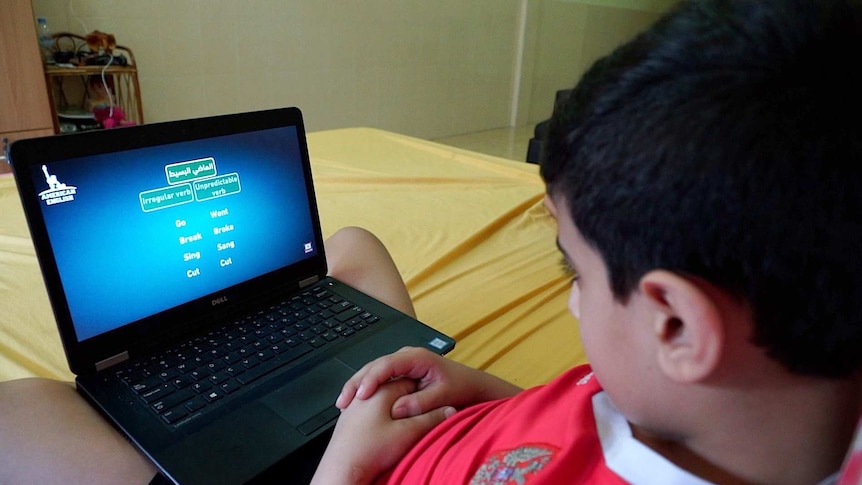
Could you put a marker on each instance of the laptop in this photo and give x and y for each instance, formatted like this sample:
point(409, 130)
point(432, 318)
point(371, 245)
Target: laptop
point(185, 266)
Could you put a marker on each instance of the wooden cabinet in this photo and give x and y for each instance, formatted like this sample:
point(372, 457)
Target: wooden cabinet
point(6, 139)
point(24, 108)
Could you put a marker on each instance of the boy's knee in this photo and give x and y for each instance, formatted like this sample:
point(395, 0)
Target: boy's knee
point(34, 390)
point(352, 245)
point(352, 235)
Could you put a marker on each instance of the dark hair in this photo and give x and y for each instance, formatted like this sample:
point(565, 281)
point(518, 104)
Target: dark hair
point(726, 143)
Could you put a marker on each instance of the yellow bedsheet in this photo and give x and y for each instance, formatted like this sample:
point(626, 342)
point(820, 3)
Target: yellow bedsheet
point(468, 232)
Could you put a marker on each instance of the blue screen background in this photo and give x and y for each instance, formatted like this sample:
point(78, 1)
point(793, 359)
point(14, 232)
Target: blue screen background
point(119, 264)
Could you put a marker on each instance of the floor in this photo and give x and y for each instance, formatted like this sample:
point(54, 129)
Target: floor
point(504, 142)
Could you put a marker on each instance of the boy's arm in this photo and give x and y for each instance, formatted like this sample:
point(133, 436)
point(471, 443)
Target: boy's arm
point(439, 382)
point(368, 441)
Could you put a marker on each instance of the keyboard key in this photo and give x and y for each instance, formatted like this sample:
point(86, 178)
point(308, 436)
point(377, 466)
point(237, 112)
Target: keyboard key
point(153, 394)
point(213, 395)
point(275, 338)
point(341, 306)
point(133, 375)
point(173, 415)
point(182, 382)
point(231, 358)
point(265, 354)
point(230, 386)
point(218, 378)
point(317, 342)
point(235, 370)
point(198, 374)
point(171, 400)
point(330, 335)
point(348, 314)
point(308, 335)
point(201, 387)
point(195, 403)
point(146, 384)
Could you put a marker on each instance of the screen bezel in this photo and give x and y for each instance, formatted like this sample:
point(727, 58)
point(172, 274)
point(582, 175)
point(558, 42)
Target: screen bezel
point(148, 334)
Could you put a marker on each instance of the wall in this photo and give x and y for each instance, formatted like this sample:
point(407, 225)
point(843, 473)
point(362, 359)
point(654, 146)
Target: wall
point(565, 37)
point(428, 68)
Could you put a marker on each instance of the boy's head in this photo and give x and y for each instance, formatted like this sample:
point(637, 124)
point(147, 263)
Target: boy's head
point(724, 145)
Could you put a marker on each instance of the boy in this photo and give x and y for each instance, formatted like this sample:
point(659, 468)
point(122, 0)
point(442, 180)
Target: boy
point(707, 183)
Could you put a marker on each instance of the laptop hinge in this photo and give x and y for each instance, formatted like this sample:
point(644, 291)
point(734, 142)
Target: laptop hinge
point(309, 281)
point(110, 361)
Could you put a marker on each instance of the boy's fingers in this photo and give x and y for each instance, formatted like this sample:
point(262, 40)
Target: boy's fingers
point(345, 397)
point(407, 362)
point(418, 402)
point(360, 386)
point(406, 407)
point(424, 423)
point(411, 405)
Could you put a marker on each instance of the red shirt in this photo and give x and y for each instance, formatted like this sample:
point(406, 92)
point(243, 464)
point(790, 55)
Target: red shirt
point(548, 435)
point(544, 435)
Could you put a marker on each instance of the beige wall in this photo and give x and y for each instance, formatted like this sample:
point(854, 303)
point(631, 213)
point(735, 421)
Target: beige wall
point(427, 68)
point(565, 37)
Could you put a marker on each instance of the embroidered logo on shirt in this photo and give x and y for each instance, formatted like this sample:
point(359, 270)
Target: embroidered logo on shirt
point(510, 467)
point(584, 380)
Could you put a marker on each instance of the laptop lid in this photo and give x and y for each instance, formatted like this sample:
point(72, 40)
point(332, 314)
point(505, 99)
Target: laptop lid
point(149, 233)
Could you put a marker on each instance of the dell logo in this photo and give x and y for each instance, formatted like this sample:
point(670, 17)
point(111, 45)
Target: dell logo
point(220, 300)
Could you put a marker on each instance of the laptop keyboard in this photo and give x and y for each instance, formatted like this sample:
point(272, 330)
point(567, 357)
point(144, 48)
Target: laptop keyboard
point(184, 383)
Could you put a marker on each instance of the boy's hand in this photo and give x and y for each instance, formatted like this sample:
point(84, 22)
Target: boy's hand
point(367, 440)
point(439, 382)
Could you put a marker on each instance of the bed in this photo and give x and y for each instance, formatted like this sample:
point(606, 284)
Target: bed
point(468, 232)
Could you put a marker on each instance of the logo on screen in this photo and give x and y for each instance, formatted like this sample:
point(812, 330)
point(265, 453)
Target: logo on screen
point(58, 192)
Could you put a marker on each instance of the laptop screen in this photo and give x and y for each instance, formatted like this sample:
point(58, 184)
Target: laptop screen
point(140, 231)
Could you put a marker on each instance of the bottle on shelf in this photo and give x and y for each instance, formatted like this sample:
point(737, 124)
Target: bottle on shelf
point(46, 40)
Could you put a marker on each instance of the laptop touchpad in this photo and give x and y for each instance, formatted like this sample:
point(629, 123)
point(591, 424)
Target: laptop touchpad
point(312, 395)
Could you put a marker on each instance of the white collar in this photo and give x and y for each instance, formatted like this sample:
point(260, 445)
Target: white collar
point(634, 461)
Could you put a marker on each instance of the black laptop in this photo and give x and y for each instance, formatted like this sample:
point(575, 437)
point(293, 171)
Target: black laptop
point(185, 265)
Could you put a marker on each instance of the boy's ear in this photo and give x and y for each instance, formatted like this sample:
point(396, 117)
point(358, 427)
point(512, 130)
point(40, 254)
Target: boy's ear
point(687, 325)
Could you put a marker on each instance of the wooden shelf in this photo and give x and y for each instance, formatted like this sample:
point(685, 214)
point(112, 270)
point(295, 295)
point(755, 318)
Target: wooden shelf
point(69, 87)
point(54, 71)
